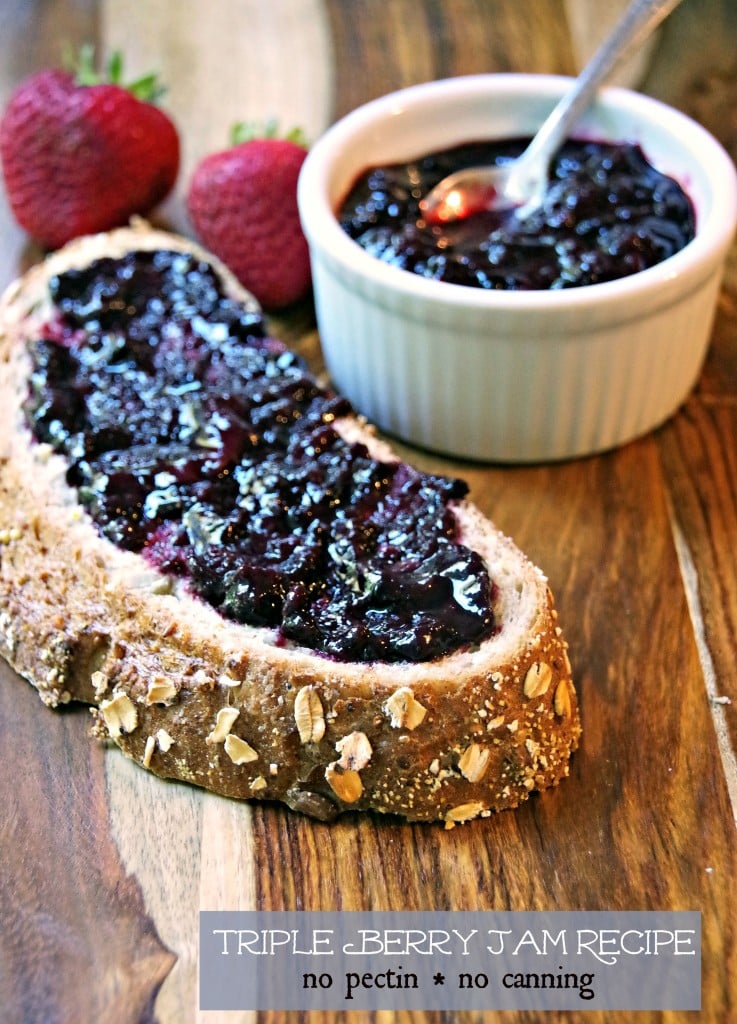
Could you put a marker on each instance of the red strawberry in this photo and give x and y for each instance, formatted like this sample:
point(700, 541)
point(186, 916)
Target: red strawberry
point(243, 205)
point(80, 155)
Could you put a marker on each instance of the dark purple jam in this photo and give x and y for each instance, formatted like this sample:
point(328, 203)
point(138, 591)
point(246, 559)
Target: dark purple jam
point(199, 441)
point(607, 214)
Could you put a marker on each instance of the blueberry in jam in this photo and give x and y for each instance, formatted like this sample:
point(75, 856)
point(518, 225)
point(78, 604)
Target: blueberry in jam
point(607, 214)
point(199, 441)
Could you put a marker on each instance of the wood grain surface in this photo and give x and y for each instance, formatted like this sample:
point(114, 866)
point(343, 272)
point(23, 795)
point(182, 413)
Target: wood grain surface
point(104, 869)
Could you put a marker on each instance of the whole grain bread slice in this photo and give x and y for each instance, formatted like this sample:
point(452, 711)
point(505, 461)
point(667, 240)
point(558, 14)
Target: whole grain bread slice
point(194, 697)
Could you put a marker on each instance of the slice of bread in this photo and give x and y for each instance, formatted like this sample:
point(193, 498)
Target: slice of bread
point(192, 696)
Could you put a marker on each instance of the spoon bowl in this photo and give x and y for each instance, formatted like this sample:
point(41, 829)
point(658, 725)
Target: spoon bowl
point(521, 183)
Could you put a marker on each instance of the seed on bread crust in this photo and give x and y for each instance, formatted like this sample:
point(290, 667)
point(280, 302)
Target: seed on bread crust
point(100, 683)
point(160, 739)
point(308, 714)
point(239, 751)
point(346, 785)
point(202, 680)
point(562, 700)
point(228, 680)
point(404, 710)
point(160, 691)
point(474, 761)
point(148, 751)
point(465, 812)
point(120, 714)
point(223, 724)
point(537, 680)
point(355, 751)
point(164, 740)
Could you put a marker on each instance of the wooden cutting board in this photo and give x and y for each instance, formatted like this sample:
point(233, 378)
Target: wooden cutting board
point(104, 869)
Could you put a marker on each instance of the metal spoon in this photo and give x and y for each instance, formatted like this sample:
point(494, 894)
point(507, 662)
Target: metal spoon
point(522, 182)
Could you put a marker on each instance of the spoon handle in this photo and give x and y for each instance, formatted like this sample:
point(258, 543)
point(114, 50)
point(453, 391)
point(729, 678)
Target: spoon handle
point(639, 19)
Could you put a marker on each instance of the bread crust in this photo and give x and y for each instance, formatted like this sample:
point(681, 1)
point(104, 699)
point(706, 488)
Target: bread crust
point(194, 697)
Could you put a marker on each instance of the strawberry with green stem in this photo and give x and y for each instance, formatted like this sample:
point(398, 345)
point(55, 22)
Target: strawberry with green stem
point(242, 202)
point(83, 153)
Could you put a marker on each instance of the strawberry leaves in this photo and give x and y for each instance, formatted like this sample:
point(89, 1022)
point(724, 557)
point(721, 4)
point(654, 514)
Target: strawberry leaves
point(247, 131)
point(146, 88)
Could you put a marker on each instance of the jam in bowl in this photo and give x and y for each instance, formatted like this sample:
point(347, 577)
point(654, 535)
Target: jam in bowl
point(606, 213)
point(509, 373)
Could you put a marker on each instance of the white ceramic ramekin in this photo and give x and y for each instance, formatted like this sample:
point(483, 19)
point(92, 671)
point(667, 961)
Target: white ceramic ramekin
point(513, 376)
